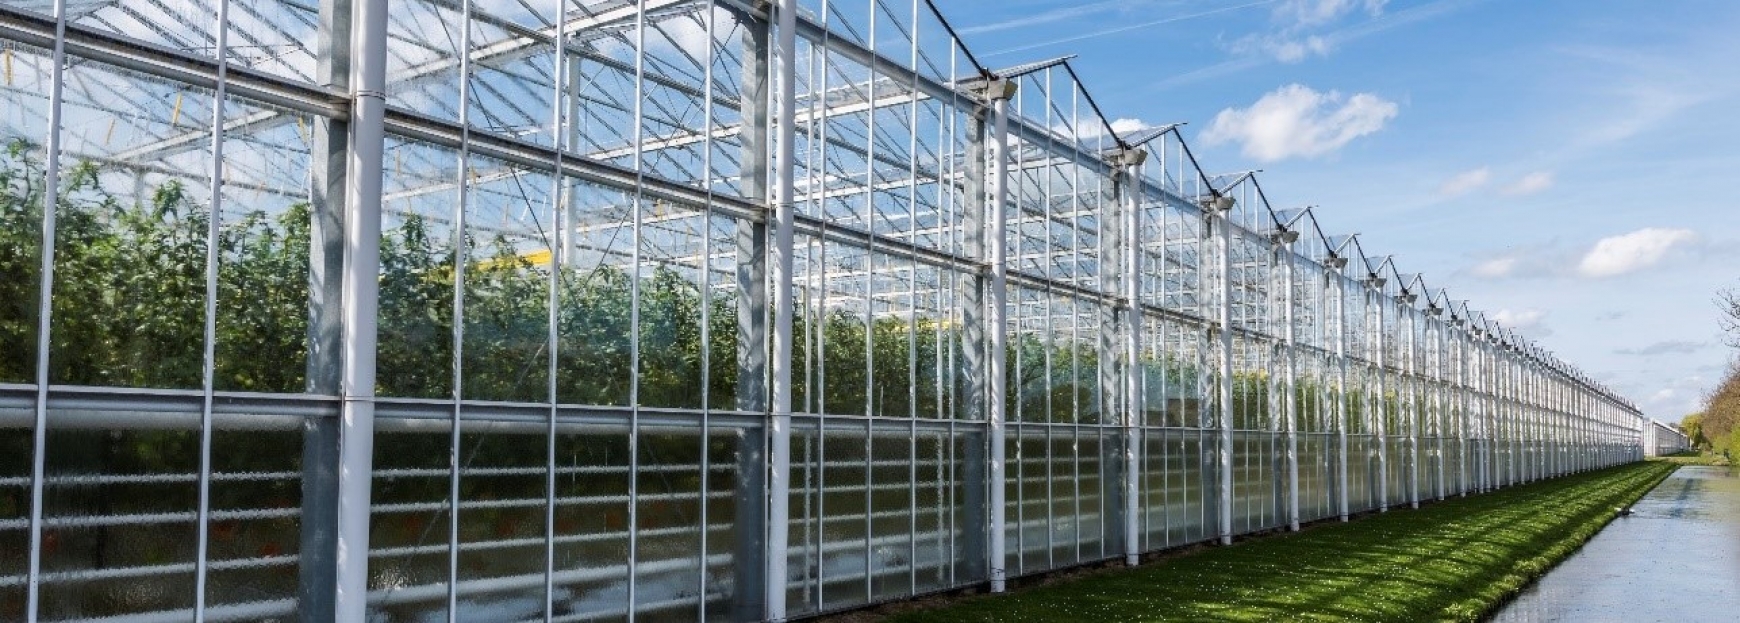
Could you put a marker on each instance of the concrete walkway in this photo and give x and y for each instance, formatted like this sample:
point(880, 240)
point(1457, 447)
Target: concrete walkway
point(1676, 558)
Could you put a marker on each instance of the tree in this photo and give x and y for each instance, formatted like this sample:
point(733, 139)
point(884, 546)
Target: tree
point(1728, 301)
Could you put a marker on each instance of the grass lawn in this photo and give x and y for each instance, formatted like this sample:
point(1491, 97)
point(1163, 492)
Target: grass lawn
point(1446, 561)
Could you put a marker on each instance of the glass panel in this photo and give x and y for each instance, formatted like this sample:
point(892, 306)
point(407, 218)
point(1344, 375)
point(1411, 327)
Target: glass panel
point(502, 499)
point(129, 292)
point(594, 349)
point(408, 522)
point(16, 452)
point(120, 528)
point(509, 237)
point(23, 176)
point(263, 243)
point(256, 496)
point(592, 524)
point(415, 324)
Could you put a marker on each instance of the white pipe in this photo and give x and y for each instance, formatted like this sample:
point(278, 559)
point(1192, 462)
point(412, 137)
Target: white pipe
point(779, 424)
point(362, 260)
point(996, 317)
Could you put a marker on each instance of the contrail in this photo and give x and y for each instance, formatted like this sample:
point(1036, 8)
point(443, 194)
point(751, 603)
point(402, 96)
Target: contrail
point(1108, 31)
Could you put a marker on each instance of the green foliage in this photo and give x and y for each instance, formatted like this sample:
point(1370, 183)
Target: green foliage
point(21, 197)
point(1452, 560)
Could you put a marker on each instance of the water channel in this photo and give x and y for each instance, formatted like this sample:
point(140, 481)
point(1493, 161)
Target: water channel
point(1675, 558)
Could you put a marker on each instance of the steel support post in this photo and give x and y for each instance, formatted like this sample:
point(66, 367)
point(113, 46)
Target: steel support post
point(997, 219)
point(328, 147)
point(361, 293)
point(780, 273)
point(45, 311)
point(1290, 384)
point(1223, 279)
point(1411, 382)
point(1441, 384)
point(976, 538)
point(1465, 423)
point(1379, 412)
point(1111, 371)
point(750, 554)
point(1340, 324)
point(1130, 196)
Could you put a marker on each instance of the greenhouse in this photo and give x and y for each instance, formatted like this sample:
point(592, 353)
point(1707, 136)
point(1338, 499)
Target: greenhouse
point(671, 310)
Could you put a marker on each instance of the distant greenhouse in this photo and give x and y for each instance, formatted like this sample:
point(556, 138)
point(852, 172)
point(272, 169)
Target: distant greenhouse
point(670, 310)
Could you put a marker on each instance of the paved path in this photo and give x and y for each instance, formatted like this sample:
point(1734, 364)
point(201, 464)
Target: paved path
point(1676, 558)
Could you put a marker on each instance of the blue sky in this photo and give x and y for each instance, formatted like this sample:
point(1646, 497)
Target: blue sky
point(1567, 166)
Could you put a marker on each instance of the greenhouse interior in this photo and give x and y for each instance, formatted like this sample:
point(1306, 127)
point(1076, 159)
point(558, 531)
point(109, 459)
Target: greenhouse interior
point(672, 310)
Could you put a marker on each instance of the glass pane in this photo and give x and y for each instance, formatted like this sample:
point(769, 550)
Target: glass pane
point(120, 502)
point(23, 179)
point(263, 266)
point(130, 238)
point(415, 324)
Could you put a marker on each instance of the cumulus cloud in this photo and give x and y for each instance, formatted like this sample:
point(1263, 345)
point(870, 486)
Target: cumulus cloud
point(1295, 120)
point(1626, 253)
point(1465, 181)
point(1530, 322)
point(1529, 184)
point(1669, 347)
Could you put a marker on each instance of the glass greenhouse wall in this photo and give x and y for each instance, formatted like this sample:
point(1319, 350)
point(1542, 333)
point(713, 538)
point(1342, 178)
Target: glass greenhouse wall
point(668, 310)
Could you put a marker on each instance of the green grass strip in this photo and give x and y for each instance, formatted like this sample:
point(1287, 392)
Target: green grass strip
point(1453, 560)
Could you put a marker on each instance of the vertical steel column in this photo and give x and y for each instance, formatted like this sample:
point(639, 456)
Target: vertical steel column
point(1130, 160)
point(976, 481)
point(208, 360)
point(1410, 371)
point(361, 297)
point(1223, 220)
point(1378, 413)
point(1290, 384)
point(997, 187)
point(1337, 280)
point(779, 420)
point(328, 147)
point(45, 310)
point(749, 555)
point(1465, 425)
point(1113, 366)
point(1440, 384)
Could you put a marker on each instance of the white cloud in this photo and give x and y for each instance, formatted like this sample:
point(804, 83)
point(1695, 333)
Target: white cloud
point(1281, 47)
point(1530, 184)
point(1295, 120)
point(1530, 322)
point(1496, 268)
point(1306, 13)
point(1625, 253)
point(1466, 181)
